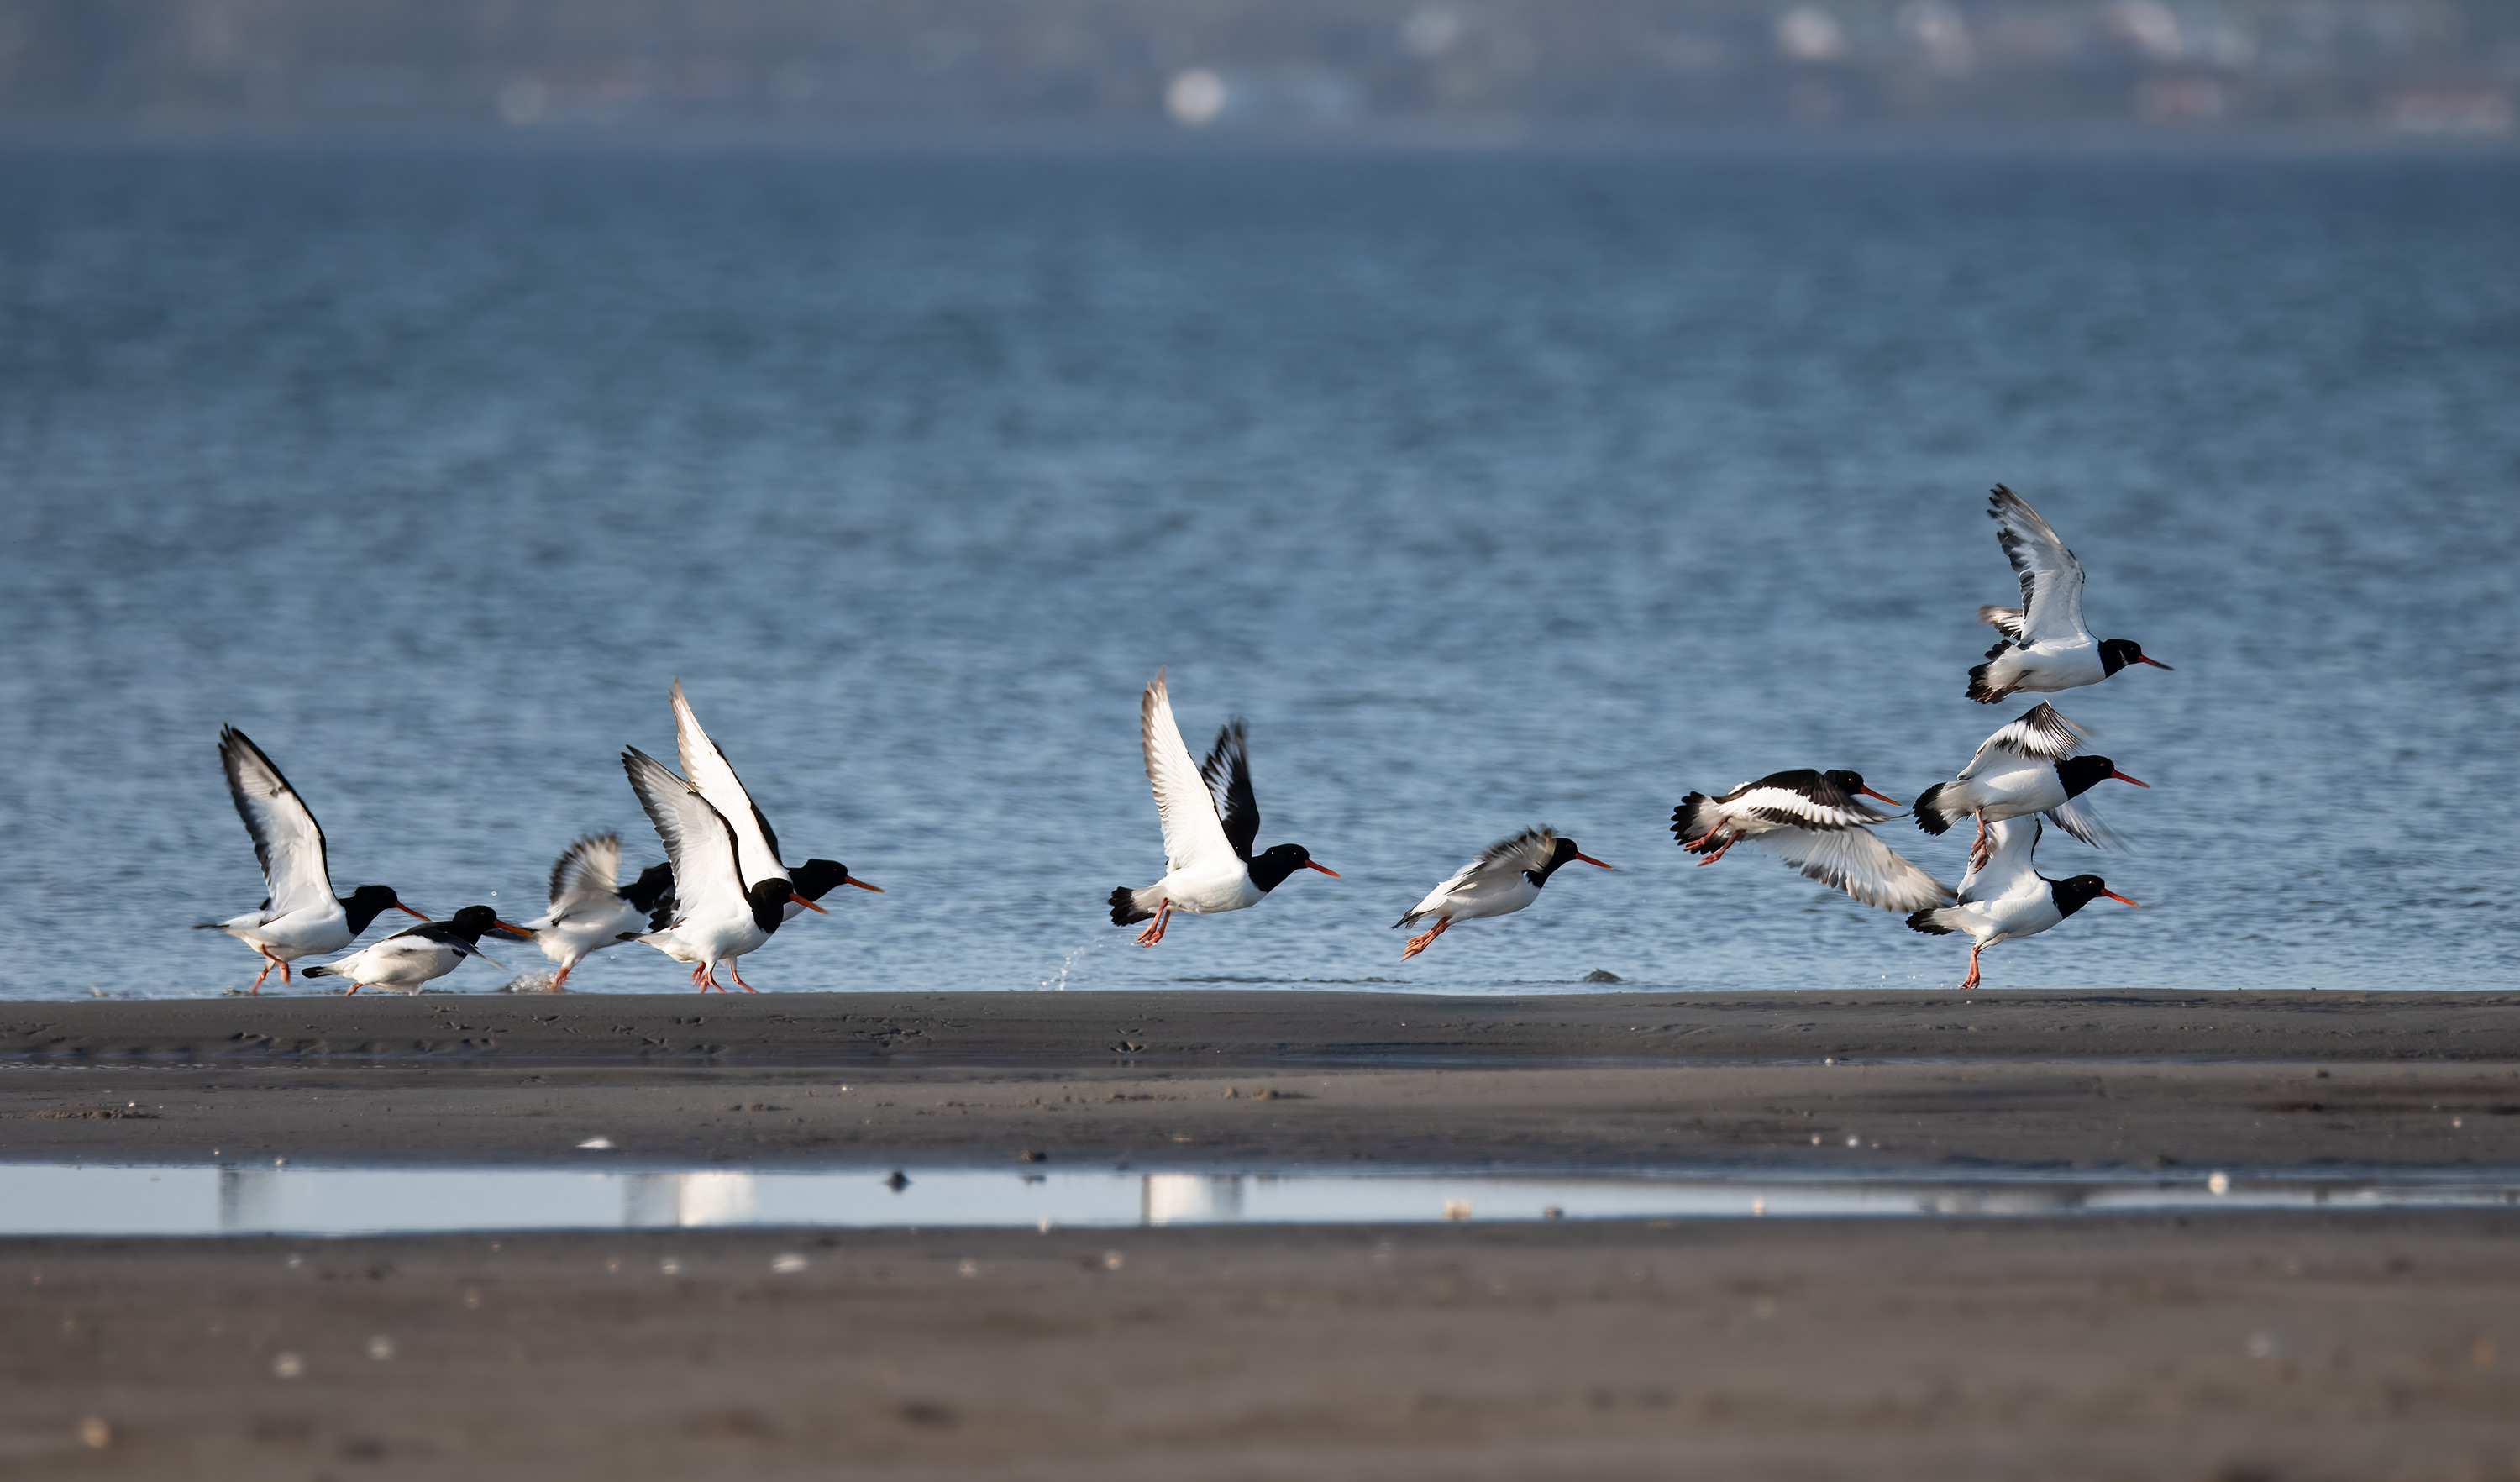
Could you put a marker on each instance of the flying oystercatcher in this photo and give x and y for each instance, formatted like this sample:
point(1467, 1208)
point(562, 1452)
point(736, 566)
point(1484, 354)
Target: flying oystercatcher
point(718, 916)
point(589, 911)
point(758, 844)
point(1814, 822)
point(2007, 897)
point(412, 956)
point(2045, 646)
point(300, 916)
point(1506, 877)
point(1210, 817)
point(2026, 767)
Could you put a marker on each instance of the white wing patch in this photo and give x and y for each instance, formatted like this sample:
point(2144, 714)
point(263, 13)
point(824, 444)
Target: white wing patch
point(586, 877)
point(1784, 807)
point(286, 841)
point(2080, 819)
point(697, 838)
point(2052, 579)
point(2004, 621)
point(1857, 862)
point(716, 779)
point(1194, 836)
point(2011, 845)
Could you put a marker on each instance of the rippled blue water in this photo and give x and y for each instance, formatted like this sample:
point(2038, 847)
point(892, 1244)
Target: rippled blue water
point(1494, 490)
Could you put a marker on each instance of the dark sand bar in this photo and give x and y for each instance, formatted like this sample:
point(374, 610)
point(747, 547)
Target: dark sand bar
point(2319, 1344)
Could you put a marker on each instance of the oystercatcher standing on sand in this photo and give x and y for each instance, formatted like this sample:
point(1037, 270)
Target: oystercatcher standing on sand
point(589, 911)
point(2045, 644)
point(1814, 822)
point(300, 916)
point(1211, 818)
point(2007, 897)
point(1506, 877)
point(2027, 767)
point(404, 961)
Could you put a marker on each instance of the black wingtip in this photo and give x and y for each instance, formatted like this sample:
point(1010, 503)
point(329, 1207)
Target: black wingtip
point(1683, 820)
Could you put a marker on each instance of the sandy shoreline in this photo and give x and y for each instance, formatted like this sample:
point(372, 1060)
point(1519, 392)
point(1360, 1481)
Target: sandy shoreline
point(2220, 1345)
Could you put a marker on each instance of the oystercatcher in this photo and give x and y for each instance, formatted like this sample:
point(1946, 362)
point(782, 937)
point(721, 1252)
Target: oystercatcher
point(2007, 897)
point(2045, 646)
point(2026, 767)
point(756, 842)
point(300, 916)
point(588, 912)
point(1812, 822)
point(412, 956)
point(717, 916)
point(1506, 877)
point(1211, 819)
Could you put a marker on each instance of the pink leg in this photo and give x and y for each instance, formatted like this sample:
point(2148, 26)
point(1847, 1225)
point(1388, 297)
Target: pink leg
point(1970, 982)
point(1721, 852)
point(558, 978)
point(1423, 940)
point(737, 973)
point(1155, 932)
point(269, 962)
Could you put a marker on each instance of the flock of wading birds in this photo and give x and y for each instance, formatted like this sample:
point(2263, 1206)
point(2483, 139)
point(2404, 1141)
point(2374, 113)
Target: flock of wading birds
point(724, 891)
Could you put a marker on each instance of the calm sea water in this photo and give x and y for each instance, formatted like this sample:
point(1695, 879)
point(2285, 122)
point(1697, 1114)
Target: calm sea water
point(1493, 490)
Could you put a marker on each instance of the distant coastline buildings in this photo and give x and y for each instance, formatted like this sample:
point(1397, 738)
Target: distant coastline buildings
point(1468, 67)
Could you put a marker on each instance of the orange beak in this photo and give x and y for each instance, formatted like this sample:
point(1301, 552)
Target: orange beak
point(2122, 777)
point(2122, 900)
point(519, 932)
point(1868, 792)
point(862, 885)
point(1324, 868)
point(1590, 860)
point(407, 911)
point(2156, 663)
point(808, 905)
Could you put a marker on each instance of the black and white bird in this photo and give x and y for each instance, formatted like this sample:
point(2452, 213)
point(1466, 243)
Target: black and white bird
point(1506, 877)
point(300, 916)
point(1816, 823)
point(411, 956)
point(2007, 897)
point(758, 844)
point(1211, 819)
point(718, 916)
point(2026, 767)
point(2045, 646)
point(590, 911)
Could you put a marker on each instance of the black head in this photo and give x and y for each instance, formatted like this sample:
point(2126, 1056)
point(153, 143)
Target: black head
point(1566, 853)
point(473, 922)
point(2072, 895)
point(768, 900)
point(2080, 773)
point(653, 885)
point(367, 901)
point(817, 878)
point(1851, 785)
point(1273, 865)
point(2117, 653)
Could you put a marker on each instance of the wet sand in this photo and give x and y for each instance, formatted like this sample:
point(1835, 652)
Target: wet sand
point(2232, 1345)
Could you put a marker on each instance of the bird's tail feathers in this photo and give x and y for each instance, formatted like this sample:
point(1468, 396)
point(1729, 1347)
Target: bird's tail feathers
point(1935, 920)
point(1128, 909)
point(319, 971)
point(1985, 690)
point(1932, 816)
point(1692, 820)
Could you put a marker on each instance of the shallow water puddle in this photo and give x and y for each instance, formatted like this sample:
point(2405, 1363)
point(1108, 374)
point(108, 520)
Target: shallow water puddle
point(194, 1200)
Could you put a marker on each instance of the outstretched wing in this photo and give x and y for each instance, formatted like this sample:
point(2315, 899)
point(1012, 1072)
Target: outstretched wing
point(2052, 579)
point(2004, 621)
point(1228, 774)
point(2012, 844)
point(697, 838)
point(2080, 819)
point(757, 847)
point(2040, 734)
point(1193, 831)
point(1802, 799)
point(285, 837)
point(586, 877)
point(1857, 862)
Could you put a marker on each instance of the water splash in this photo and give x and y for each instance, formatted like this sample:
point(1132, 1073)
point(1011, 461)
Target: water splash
point(1067, 965)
